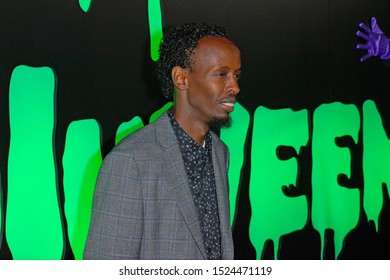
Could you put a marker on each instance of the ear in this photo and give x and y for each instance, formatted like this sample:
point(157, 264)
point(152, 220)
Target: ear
point(179, 78)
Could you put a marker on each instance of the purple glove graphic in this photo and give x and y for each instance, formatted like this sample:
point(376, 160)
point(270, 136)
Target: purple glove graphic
point(377, 44)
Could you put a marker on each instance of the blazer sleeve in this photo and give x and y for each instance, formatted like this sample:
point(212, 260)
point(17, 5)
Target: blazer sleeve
point(116, 227)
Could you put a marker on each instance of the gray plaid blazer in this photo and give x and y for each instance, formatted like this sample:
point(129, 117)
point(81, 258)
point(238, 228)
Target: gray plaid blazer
point(143, 206)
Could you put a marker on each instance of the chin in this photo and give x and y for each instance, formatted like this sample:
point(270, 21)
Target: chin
point(216, 123)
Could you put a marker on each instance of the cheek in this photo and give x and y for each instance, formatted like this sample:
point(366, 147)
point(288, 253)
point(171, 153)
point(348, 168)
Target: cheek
point(201, 93)
point(205, 94)
point(209, 95)
point(201, 100)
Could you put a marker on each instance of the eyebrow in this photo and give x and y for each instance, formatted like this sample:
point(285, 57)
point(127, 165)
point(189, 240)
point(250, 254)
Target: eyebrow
point(227, 67)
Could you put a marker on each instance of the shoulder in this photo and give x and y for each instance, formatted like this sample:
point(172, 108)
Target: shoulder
point(147, 140)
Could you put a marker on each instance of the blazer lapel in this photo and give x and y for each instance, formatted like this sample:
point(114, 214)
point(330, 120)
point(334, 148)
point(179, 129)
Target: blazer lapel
point(176, 176)
point(220, 164)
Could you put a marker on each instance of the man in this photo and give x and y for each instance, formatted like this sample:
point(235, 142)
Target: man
point(162, 193)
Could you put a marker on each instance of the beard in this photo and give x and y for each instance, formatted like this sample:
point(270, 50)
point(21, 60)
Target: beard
point(218, 123)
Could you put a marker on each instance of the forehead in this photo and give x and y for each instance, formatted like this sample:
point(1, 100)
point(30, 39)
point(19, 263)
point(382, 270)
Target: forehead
point(212, 50)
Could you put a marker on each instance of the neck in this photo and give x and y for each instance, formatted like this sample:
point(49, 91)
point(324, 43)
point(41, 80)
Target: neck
point(195, 129)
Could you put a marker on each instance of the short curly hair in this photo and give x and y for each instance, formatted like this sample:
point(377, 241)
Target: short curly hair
point(177, 48)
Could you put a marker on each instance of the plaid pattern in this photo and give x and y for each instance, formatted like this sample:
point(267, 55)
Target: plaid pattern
point(143, 206)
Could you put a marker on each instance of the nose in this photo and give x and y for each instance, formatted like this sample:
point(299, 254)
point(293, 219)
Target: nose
point(233, 85)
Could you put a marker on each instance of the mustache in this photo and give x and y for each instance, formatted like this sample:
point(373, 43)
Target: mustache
point(230, 98)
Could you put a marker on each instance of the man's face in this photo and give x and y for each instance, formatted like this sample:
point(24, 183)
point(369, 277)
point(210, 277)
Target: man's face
point(213, 81)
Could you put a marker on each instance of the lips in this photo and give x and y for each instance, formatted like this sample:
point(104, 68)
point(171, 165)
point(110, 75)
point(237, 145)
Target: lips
point(227, 105)
point(228, 102)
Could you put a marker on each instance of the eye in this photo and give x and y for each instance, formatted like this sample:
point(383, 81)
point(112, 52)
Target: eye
point(222, 74)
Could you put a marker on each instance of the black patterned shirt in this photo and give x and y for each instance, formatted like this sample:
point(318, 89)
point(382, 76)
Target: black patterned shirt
point(200, 173)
